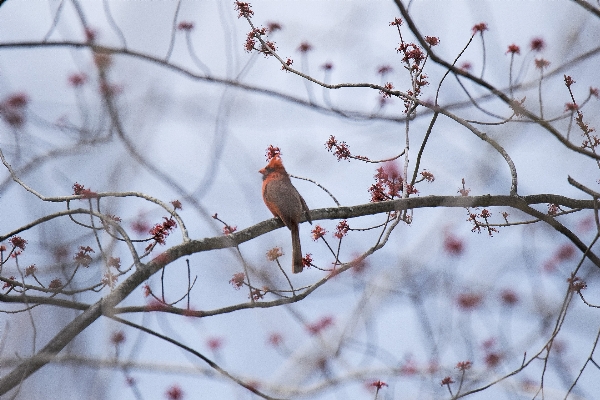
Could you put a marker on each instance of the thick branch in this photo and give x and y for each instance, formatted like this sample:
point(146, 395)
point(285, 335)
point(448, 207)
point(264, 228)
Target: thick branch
point(106, 305)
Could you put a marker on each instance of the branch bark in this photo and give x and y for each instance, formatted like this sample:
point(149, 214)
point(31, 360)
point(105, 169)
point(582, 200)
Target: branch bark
point(107, 304)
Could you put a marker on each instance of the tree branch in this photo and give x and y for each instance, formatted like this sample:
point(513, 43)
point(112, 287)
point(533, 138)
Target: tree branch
point(499, 94)
point(587, 6)
point(107, 304)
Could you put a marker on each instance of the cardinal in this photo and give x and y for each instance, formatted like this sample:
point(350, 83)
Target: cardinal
point(284, 201)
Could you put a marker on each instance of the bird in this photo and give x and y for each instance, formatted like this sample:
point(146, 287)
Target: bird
point(284, 201)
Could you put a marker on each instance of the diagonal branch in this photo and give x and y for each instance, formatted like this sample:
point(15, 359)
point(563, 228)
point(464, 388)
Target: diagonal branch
point(496, 92)
point(211, 363)
point(106, 305)
point(588, 7)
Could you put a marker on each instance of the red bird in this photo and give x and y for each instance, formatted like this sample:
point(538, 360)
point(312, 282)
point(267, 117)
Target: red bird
point(284, 201)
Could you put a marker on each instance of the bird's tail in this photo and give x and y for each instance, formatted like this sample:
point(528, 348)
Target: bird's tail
point(296, 250)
